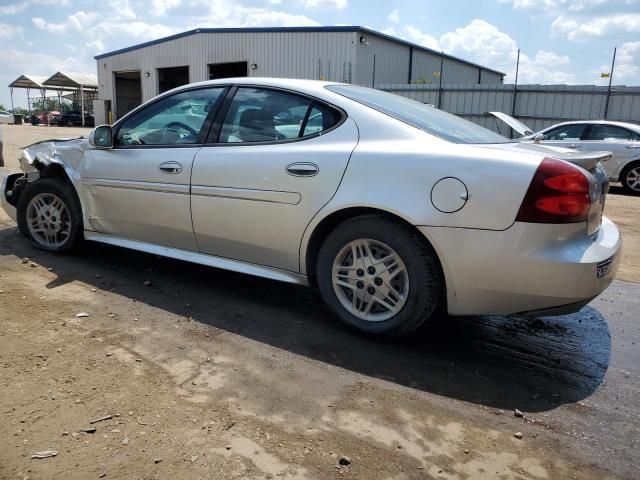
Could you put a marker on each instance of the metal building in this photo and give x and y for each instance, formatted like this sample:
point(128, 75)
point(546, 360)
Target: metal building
point(351, 54)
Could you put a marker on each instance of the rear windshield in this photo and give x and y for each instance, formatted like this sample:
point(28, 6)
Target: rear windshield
point(430, 119)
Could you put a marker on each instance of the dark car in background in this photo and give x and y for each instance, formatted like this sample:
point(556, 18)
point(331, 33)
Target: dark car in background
point(73, 119)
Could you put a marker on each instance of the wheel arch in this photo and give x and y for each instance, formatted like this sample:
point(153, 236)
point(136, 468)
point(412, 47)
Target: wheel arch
point(328, 223)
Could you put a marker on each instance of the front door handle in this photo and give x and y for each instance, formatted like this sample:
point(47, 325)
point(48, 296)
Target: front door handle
point(302, 169)
point(170, 167)
point(633, 146)
point(574, 145)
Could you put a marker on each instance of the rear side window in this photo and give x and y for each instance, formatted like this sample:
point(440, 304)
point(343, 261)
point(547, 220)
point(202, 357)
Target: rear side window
point(258, 115)
point(566, 132)
point(611, 132)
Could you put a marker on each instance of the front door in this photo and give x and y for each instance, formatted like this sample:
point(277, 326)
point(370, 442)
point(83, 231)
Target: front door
point(139, 190)
point(278, 158)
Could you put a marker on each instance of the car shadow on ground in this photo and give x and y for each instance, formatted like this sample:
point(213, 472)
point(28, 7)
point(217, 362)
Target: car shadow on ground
point(533, 364)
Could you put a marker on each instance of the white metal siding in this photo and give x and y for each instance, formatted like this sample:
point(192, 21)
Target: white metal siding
point(391, 61)
point(277, 54)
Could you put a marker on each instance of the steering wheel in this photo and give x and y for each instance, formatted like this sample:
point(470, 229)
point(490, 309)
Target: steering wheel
point(184, 126)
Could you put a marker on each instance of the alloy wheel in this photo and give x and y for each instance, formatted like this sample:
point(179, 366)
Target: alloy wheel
point(48, 220)
point(632, 179)
point(370, 280)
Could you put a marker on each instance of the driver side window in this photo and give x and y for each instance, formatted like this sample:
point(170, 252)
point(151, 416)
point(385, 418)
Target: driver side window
point(174, 120)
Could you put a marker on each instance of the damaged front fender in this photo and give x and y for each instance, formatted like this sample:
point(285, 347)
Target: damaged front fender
point(49, 158)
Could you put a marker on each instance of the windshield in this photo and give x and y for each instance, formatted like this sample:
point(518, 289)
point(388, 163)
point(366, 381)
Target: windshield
point(430, 119)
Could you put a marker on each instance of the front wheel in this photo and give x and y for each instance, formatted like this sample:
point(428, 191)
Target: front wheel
point(379, 276)
point(630, 179)
point(49, 214)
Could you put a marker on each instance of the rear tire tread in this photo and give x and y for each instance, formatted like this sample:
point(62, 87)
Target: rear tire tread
point(424, 258)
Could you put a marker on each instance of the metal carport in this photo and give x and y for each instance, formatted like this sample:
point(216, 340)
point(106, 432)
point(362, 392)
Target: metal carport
point(86, 84)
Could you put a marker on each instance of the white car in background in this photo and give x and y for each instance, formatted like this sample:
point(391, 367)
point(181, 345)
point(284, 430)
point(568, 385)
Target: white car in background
point(6, 117)
point(620, 138)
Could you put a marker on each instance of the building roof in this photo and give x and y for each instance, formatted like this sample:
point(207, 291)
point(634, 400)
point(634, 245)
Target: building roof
point(343, 29)
point(71, 80)
point(28, 81)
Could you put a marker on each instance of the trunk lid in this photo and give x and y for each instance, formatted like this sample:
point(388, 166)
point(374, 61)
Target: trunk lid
point(512, 123)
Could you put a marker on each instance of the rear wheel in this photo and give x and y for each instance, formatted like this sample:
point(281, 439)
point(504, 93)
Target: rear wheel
point(630, 178)
point(379, 276)
point(50, 215)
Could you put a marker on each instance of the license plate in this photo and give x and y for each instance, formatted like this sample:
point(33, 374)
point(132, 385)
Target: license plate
point(604, 267)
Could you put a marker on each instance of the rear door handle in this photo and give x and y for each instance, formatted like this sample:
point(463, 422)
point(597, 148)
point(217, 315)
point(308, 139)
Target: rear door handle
point(574, 145)
point(634, 147)
point(302, 169)
point(170, 167)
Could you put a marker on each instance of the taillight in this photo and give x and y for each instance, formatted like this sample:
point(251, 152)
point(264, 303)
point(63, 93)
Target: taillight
point(559, 193)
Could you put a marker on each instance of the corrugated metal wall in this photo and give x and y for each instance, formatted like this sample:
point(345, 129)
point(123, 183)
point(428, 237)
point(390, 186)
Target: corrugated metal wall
point(537, 106)
point(391, 62)
point(276, 54)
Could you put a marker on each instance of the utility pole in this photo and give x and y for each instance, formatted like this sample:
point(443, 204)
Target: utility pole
point(440, 80)
point(606, 104)
point(515, 86)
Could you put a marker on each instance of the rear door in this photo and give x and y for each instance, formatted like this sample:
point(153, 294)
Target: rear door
point(139, 190)
point(275, 158)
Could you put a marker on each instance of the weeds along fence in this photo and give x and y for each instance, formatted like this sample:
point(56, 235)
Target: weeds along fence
point(537, 106)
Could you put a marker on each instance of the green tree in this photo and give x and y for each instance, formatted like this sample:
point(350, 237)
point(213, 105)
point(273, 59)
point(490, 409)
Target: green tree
point(39, 105)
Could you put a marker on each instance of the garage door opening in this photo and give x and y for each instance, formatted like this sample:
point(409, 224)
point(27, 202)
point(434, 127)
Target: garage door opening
point(227, 70)
point(173, 77)
point(128, 92)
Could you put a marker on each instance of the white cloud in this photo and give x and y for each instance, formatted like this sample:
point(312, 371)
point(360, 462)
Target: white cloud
point(394, 17)
point(558, 5)
point(417, 36)
point(481, 41)
point(8, 32)
point(223, 13)
point(77, 22)
point(339, 4)
point(161, 7)
point(598, 26)
point(13, 8)
point(627, 67)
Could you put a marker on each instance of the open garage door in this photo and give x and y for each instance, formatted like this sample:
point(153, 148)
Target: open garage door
point(128, 92)
point(227, 70)
point(169, 78)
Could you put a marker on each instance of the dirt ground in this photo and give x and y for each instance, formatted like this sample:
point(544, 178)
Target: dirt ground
point(206, 374)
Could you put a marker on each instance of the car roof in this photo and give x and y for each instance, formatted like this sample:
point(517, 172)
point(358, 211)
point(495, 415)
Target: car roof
point(300, 85)
point(631, 126)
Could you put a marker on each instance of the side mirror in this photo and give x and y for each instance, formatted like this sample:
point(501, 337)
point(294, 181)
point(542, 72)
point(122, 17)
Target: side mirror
point(101, 137)
point(539, 137)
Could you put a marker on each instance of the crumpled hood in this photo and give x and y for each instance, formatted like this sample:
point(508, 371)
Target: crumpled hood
point(66, 152)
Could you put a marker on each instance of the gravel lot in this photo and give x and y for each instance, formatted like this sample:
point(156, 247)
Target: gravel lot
point(211, 374)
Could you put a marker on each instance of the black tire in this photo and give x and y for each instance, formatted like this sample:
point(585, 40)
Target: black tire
point(422, 265)
point(67, 194)
point(623, 178)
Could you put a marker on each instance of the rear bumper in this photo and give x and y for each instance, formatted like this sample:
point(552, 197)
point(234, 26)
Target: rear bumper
point(528, 268)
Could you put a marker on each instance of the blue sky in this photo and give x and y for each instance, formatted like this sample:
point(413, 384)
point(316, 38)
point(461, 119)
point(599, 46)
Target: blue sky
point(562, 41)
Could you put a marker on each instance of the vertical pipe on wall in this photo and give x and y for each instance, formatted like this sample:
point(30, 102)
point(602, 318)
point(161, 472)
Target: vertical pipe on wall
point(606, 103)
point(440, 80)
point(410, 65)
point(373, 74)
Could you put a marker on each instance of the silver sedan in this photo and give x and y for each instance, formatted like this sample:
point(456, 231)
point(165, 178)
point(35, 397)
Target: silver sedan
point(622, 139)
point(394, 209)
